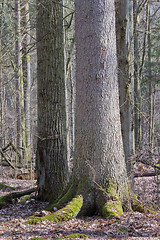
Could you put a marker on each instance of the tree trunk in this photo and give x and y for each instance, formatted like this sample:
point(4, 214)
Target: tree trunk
point(17, 74)
point(51, 162)
point(99, 162)
point(26, 75)
point(137, 89)
point(125, 54)
point(1, 86)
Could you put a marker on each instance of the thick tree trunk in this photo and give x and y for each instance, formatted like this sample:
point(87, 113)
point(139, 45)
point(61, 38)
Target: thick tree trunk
point(99, 153)
point(124, 21)
point(51, 159)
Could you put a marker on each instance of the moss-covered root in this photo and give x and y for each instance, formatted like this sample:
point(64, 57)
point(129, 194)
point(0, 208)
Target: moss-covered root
point(137, 206)
point(7, 199)
point(68, 196)
point(113, 206)
point(69, 211)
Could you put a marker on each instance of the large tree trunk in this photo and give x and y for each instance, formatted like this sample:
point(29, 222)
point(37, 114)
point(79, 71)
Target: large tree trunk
point(124, 30)
point(51, 159)
point(99, 158)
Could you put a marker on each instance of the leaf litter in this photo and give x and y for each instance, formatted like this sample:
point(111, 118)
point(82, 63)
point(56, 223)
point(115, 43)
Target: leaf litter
point(130, 226)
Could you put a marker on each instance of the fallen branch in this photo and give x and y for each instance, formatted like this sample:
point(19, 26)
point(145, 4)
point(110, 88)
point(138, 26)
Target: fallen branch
point(3, 155)
point(8, 199)
point(146, 174)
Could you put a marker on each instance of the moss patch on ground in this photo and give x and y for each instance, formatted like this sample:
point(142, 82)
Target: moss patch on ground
point(76, 235)
point(68, 212)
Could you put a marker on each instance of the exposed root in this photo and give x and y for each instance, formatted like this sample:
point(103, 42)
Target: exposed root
point(68, 212)
point(137, 205)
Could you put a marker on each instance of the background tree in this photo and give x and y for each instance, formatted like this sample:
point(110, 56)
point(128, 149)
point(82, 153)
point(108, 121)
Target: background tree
point(51, 159)
point(124, 27)
point(18, 74)
point(26, 68)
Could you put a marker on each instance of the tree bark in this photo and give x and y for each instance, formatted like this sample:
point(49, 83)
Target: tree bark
point(26, 68)
point(99, 153)
point(137, 89)
point(51, 161)
point(124, 30)
point(17, 74)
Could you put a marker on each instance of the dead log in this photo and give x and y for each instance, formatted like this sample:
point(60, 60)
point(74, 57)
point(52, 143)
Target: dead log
point(8, 199)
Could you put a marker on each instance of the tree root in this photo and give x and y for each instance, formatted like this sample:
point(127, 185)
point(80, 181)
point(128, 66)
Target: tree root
point(137, 205)
point(68, 212)
point(8, 199)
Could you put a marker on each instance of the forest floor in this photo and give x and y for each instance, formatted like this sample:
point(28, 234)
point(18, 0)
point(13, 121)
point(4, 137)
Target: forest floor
point(129, 226)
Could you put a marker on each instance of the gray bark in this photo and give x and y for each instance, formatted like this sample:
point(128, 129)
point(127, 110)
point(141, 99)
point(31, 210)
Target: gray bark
point(137, 82)
point(17, 74)
point(51, 159)
point(125, 75)
point(98, 141)
point(25, 21)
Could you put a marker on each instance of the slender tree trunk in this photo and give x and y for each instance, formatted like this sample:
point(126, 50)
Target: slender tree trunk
point(70, 77)
point(1, 86)
point(137, 83)
point(150, 88)
point(17, 74)
point(25, 20)
point(99, 153)
point(125, 76)
point(51, 159)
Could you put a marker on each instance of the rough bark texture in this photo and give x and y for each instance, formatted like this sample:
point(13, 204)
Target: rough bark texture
point(125, 76)
point(51, 150)
point(99, 153)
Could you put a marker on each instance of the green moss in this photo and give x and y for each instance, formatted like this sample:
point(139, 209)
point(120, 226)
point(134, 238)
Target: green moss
point(4, 187)
point(37, 238)
point(64, 199)
point(138, 207)
point(24, 199)
point(158, 166)
point(110, 187)
point(75, 235)
point(112, 208)
point(113, 205)
point(69, 211)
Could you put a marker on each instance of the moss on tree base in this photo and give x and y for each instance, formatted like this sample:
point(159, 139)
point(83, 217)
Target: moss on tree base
point(68, 212)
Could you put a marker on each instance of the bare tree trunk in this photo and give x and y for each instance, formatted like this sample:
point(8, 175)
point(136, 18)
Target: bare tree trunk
point(137, 81)
point(1, 86)
point(17, 74)
point(70, 77)
point(26, 75)
point(124, 21)
point(51, 162)
point(99, 158)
